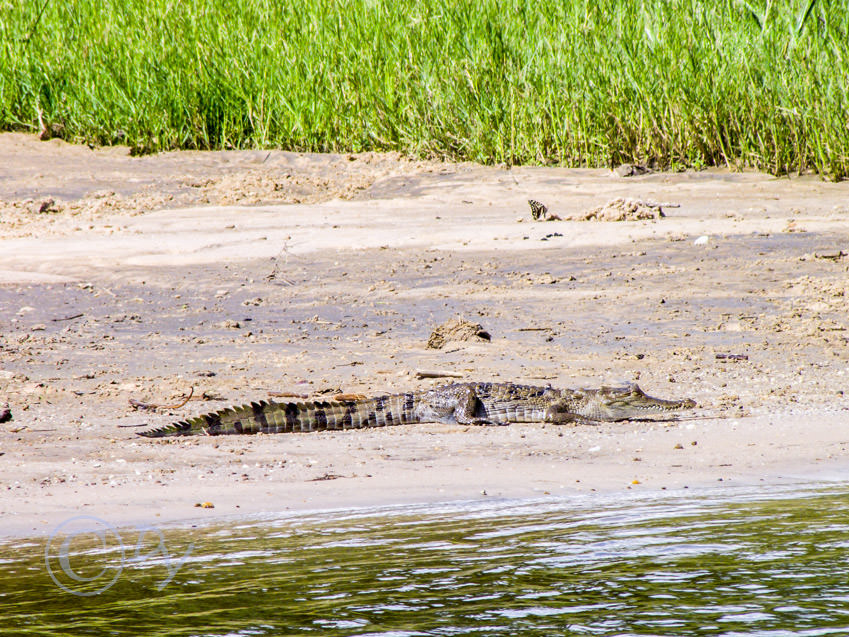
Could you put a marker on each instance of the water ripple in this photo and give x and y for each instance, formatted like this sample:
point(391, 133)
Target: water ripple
point(744, 563)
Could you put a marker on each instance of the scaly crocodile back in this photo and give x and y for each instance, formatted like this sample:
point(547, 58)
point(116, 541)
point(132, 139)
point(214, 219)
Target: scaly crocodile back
point(272, 417)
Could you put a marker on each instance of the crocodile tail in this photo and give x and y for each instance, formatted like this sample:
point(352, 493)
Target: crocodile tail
point(175, 429)
point(273, 417)
point(233, 420)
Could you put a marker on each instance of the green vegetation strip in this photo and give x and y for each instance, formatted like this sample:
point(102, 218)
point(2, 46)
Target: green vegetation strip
point(576, 82)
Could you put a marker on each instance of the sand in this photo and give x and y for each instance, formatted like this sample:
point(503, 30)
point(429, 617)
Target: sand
point(236, 274)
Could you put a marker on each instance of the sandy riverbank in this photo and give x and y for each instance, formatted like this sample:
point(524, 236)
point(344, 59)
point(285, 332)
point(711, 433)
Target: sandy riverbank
point(243, 273)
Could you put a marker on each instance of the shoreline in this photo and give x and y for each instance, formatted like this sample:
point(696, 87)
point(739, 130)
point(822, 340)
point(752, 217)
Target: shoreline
point(106, 303)
point(516, 462)
point(775, 485)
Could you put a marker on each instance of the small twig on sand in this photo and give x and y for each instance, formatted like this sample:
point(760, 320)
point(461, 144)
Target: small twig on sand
point(137, 404)
point(337, 396)
point(732, 357)
point(275, 272)
point(326, 476)
point(431, 373)
point(67, 318)
point(833, 256)
point(349, 398)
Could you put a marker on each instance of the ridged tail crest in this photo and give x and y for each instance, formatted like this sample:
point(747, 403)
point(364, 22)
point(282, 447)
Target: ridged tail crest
point(273, 417)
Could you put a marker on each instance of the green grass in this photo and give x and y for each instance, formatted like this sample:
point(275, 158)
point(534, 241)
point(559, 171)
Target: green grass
point(577, 82)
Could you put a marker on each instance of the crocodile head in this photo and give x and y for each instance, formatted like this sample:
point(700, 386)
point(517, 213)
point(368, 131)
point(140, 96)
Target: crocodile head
point(628, 402)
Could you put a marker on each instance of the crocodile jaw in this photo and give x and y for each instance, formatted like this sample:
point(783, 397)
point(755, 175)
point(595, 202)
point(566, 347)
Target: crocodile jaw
point(629, 402)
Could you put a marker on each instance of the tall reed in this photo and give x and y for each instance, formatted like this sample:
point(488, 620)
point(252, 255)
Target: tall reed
point(575, 82)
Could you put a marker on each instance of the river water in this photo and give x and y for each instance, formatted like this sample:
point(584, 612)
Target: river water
point(770, 562)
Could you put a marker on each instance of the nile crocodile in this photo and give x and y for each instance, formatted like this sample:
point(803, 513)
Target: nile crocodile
point(463, 403)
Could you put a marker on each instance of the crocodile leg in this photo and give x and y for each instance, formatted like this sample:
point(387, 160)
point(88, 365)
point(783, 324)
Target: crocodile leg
point(467, 407)
point(454, 403)
point(567, 409)
point(559, 413)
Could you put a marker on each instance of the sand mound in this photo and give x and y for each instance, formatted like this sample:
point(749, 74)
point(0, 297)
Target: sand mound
point(621, 209)
point(457, 330)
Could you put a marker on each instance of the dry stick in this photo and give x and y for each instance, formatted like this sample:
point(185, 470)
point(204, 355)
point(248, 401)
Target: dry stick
point(349, 398)
point(275, 271)
point(424, 373)
point(43, 133)
point(326, 476)
point(140, 405)
point(837, 255)
point(287, 394)
point(342, 398)
point(67, 318)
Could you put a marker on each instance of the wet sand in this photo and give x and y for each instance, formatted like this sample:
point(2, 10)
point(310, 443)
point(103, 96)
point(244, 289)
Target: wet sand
point(237, 274)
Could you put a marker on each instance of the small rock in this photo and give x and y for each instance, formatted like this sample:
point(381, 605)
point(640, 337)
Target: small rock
point(701, 241)
point(631, 170)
